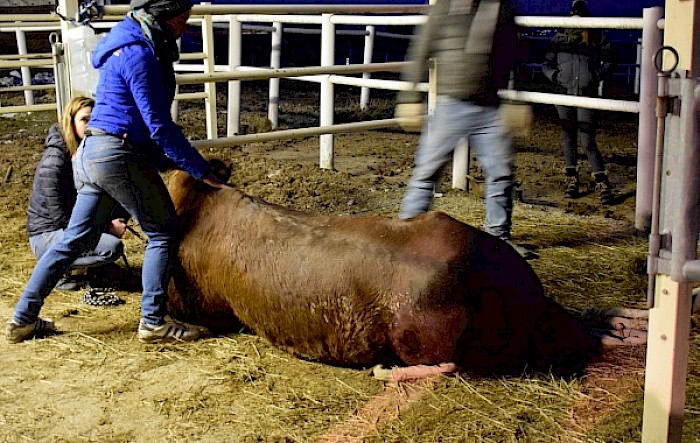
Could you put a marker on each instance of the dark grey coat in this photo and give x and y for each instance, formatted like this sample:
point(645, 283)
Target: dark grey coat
point(578, 65)
point(53, 191)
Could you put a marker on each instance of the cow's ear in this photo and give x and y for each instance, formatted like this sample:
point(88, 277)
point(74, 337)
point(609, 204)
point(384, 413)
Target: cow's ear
point(221, 169)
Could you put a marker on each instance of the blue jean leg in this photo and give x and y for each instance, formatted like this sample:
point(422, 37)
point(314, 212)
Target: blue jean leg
point(108, 250)
point(138, 187)
point(494, 150)
point(82, 234)
point(452, 120)
point(440, 135)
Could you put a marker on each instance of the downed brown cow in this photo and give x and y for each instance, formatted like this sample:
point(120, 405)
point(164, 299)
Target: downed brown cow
point(360, 291)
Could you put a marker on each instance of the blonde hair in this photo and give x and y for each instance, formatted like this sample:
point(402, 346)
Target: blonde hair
point(67, 121)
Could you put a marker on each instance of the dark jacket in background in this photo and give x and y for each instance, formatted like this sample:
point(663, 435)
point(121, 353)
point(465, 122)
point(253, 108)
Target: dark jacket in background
point(466, 75)
point(578, 60)
point(53, 191)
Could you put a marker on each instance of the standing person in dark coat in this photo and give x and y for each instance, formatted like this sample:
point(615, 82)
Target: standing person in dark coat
point(130, 138)
point(53, 195)
point(577, 61)
point(473, 43)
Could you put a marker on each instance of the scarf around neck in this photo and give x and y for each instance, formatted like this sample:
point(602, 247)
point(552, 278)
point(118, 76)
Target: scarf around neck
point(163, 41)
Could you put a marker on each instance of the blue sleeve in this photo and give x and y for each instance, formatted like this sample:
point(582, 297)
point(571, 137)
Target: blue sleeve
point(144, 78)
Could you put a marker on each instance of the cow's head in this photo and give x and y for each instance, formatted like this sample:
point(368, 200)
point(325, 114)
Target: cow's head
point(186, 192)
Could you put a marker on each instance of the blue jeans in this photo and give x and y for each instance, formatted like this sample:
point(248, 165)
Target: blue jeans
point(108, 250)
point(452, 120)
point(107, 169)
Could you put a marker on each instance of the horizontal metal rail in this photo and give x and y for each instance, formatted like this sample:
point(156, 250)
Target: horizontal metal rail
point(287, 134)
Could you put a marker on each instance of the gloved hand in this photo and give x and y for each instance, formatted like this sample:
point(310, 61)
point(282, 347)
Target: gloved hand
point(516, 118)
point(410, 116)
point(214, 181)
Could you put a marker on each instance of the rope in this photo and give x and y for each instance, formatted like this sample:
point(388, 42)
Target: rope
point(88, 11)
point(102, 297)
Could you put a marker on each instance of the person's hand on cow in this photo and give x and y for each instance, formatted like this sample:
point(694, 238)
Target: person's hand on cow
point(214, 181)
point(117, 227)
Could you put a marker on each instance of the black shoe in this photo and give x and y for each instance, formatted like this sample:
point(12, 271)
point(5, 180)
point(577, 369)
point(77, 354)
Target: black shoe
point(526, 253)
point(602, 187)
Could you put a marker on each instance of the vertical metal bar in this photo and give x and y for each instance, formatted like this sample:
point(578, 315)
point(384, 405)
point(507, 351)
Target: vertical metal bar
point(209, 87)
point(60, 75)
point(327, 148)
point(658, 162)
point(234, 86)
point(638, 67)
point(651, 41)
point(175, 105)
point(21, 37)
point(273, 109)
point(367, 58)
point(68, 8)
point(687, 193)
point(460, 161)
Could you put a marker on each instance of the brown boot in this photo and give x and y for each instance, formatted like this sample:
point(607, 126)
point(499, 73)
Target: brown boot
point(571, 182)
point(602, 187)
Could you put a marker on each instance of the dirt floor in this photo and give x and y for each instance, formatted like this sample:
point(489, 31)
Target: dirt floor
point(95, 382)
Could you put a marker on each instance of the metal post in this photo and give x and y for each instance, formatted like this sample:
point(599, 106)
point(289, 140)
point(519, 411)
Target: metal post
point(60, 74)
point(460, 162)
point(26, 72)
point(175, 105)
point(367, 58)
point(327, 148)
point(651, 42)
point(234, 86)
point(273, 109)
point(667, 362)
point(669, 319)
point(68, 8)
point(638, 66)
point(209, 88)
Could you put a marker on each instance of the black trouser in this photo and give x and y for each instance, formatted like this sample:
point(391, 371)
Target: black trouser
point(574, 121)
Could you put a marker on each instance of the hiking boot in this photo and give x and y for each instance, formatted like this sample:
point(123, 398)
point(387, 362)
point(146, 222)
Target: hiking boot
point(571, 182)
point(171, 331)
point(16, 333)
point(526, 253)
point(602, 187)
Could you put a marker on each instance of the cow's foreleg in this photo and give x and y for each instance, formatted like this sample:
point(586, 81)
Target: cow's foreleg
point(407, 373)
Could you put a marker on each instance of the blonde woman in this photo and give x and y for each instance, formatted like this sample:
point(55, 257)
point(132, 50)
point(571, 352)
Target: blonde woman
point(54, 194)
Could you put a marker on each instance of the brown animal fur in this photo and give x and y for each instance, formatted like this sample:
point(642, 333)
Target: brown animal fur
point(359, 291)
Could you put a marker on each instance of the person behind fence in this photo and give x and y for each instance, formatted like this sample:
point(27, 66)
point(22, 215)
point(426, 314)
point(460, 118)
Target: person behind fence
point(53, 196)
point(473, 45)
point(577, 61)
point(130, 137)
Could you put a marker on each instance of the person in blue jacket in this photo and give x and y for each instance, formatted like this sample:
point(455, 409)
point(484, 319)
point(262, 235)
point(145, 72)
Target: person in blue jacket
point(130, 138)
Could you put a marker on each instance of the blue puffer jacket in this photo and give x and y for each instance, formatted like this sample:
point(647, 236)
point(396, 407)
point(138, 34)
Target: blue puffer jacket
point(134, 94)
